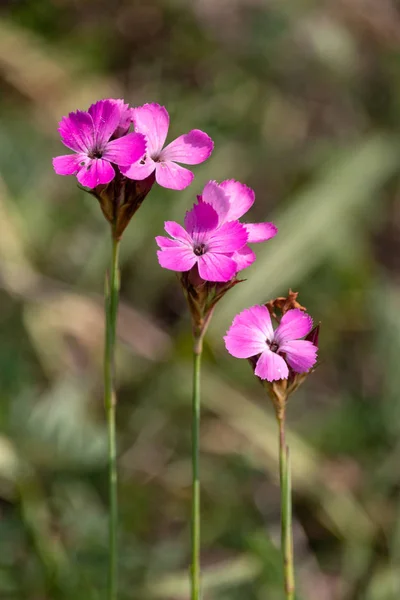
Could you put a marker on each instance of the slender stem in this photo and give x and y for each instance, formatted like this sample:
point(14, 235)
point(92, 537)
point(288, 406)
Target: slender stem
point(286, 511)
point(111, 309)
point(195, 570)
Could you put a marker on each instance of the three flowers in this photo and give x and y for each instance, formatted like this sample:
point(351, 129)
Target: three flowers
point(114, 142)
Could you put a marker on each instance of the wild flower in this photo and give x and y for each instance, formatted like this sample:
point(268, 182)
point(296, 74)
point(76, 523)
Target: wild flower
point(89, 134)
point(152, 120)
point(252, 335)
point(203, 243)
point(231, 200)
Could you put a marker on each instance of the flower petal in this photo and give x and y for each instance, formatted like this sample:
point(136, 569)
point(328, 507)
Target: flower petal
point(244, 257)
point(201, 219)
point(125, 150)
point(178, 259)
point(271, 366)
point(216, 267)
point(69, 164)
point(214, 195)
point(241, 198)
point(228, 238)
point(258, 320)
point(139, 170)
point(300, 354)
point(260, 232)
point(77, 131)
point(294, 324)
point(153, 121)
point(165, 243)
point(190, 149)
point(106, 116)
point(243, 341)
point(125, 118)
point(172, 176)
point(178, 232)
point(95, 172)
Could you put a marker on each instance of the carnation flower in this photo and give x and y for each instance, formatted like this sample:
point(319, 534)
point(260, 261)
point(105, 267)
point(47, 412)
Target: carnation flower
point(252, 334)
point(202, 243)
point(152, 120)
point(231, 200)
point(89, 135)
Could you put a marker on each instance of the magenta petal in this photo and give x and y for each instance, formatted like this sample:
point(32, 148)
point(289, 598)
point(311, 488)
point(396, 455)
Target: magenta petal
point(271, 366)
point(258, 320)
point(190, 149)
point(177, 259)
point(140, 169)
point(202, 218)
point(165, 243)
point(153, 121)
point(77, 132)
point(95, 172)
point(294, 324)
point(106, 116)
point(216, 267)
point(178, 232)
point(214, 195)
point(241, 198)
point(244, 257)
point(69, 164)
point(125, 118)
point(242, 341)
point(300, 354)
point(228, 238)
point(172, 176)
point(260, 232)
point(125, 150)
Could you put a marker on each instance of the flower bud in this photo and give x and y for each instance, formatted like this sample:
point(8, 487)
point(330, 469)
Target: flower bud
point(120, 199)
point(202, 296)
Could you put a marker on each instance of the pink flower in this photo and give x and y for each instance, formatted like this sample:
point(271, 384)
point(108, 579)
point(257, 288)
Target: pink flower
point(232, 200)
point(202, 243)
point(152, 120)
point(88, 134)
point(251, 334)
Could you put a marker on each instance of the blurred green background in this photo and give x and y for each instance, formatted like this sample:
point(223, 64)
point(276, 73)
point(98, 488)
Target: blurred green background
point(302, 100)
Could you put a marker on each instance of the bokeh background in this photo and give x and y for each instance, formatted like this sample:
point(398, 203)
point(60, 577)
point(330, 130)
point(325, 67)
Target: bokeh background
point(303, 102)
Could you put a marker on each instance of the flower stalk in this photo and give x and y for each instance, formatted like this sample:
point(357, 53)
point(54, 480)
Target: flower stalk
point(195, 520)
point(286, 509)
point(110, 400)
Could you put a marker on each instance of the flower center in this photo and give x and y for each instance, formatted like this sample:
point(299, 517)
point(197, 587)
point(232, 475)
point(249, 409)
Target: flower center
point(273, 346)
point(199, 250)
point(96, 154)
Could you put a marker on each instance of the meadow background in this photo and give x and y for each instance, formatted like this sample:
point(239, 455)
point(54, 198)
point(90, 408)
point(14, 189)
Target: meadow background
point(302, 100)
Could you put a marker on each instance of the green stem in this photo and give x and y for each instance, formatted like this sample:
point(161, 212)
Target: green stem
point(111, 309)
point(286, 511)
point(195, 570)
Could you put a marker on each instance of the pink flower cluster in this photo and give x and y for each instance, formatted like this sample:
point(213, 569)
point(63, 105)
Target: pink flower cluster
point(213, 243)
point(102, 143)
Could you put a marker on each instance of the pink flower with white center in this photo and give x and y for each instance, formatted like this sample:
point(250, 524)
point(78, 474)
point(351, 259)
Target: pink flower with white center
point(232, 200)
point(252, 334)
point(152, 120)
point(89, 135)
point(202, 243)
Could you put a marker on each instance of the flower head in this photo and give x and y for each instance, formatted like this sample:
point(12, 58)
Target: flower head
point(152, 120)
point(252, 335)
point(202, 243)
point(89, 134)
point(231, 200)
